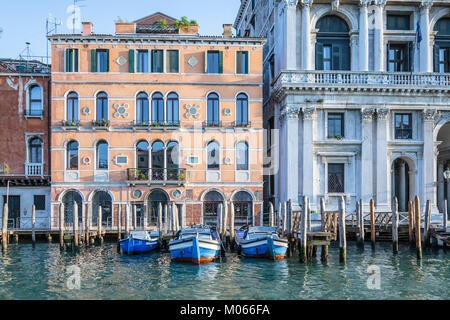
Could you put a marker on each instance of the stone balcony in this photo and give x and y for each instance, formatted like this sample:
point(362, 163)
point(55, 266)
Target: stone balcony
point(361, 81)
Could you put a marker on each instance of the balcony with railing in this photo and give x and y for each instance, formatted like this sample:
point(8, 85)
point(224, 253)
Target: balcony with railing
point(362, 80)
point(212, 124)
point(157, 176)
point(145, 125)
point(34, 169)
point(39, 113)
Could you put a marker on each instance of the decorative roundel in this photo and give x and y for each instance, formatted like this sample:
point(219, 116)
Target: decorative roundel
point(227, 160)
point(192, 111)
point(137, 194)
point(86, 161)
point(176, 194)
point(86, 111)
point(227, 112)
point(121, 110)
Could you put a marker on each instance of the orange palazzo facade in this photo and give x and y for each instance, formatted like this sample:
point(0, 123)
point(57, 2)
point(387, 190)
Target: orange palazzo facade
point(156, 115)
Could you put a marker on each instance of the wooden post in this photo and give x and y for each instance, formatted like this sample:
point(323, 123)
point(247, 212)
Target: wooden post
point(134, 217)
point(271, 215)
point(33, 224)
point(418, 231)
point(445, 218)
point(342, 234)
point(285, 214)
point(372, 223)
point(324, 251)
point(426, 229)
point(119, 222)
point(232, 240)
point(99, 224)
point(361, 224)
point(75, 224)
point(289, 218)
point(308, 217)
point(410, 223)
point(225, 222)
point(61, 226)
point(166, 219)
point(5, 227)
point(219, 220)
point(88, 223)
point(160, 222)
point(395, 218)
point(303, 233)
point(127, 220)
point(145, 208)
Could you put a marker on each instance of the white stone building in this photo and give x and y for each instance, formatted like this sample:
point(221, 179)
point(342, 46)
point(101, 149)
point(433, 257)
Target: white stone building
point(360, 96)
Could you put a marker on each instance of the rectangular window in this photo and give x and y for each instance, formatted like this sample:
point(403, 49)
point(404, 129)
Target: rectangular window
point(39, 202)
point(214, 62)
point(101, 63)
point(172, 61)
point(158, 61)
point(335, 125)
point(398, 22)
point(399, 57)
point(444, 60)
point(336, 178)
point(242, 62)
point(71, 60)
point(142, 61)
point(403, 126)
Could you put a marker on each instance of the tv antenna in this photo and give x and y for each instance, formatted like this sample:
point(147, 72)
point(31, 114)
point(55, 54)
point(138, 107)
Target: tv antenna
point(74, 12)
point(51, 26)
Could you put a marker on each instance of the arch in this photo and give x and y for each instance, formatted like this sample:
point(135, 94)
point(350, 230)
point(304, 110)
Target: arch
point(409, 160)
point(332, 23)
point(158, 160)
point(102, 154)
point(102, 106)
point(441, 122)
point(154, 198)
point(72, 107)
point(233, 194)
point(243, 207)
point(172, 160)
point(242, 155)
point(68, 199)
point(142, 108)
point(204, 193)
point(91, 195)
point(211, 201)
point(213, 108)
point(72, 155)
point(102, 199)
point(173, 108)
point(213, 155)
point(437, 16)
point(35, 150)
point(242, 109)
point(341, 12)
point(158, 114)
point(35, 99)
point(61, 195)
point(142, 156)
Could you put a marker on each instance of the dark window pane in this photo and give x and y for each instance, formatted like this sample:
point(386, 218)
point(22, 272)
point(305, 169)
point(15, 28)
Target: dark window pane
point(39, 202)
point(335, 178)
point(213, 156)
point(72, 155)
point(157, 108)
point(398, 22)
point(172, 61)
point(142, 61)
point(242, 156)
point(335, 125)
point(102, 155)
point(403, 126)
point(213, 61)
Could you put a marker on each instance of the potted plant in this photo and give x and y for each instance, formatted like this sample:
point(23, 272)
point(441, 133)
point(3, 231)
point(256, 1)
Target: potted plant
point(338, 137)
point(181, 176)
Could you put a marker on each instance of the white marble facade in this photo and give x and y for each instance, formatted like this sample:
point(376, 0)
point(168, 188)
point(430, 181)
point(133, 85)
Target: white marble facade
point(299, 98)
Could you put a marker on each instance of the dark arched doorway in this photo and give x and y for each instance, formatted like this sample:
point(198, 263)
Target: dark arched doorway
point(211, 203)
point(68, 200)
point(156, 198)
point(243, 208)
point(104, 200)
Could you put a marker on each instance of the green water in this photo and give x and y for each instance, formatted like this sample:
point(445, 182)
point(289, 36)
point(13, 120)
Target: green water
point(43, 273)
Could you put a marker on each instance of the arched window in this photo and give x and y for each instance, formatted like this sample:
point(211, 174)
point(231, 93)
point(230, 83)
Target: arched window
point(213, 110)
point(142, 108)
point(35, 107)
point(442, 46)
point(211, 207)
point(156, 198)
point(35, 150)
point(72, 155)
point(213, 156)
point(72, 107)
point(242, 110)
point(242, 156)
point(157, 108)
point(158, 160)
point(172, 160)
point(142, 160)
point(102, 155)
point(68, 200)
point(102, 199)
point(242, 202)
point(102, 106)
point(333, 44)
point(173, 117)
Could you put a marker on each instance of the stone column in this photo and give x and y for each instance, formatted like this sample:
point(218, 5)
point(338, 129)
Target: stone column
point(291, 35)
point(429, 159)
point(367, 155)
point(308, 156)
point(363, 35)
point(382, 199)
point(402, 187)
point(290, 123)
point(440, 179)
point(306, 35)
point(380, 50)
point(425, 47)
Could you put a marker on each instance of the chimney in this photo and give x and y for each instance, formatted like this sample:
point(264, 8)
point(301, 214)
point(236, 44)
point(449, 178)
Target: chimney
point(88, 29)
point(227, 30)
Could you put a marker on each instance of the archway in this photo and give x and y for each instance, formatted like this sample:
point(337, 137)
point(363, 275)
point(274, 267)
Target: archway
point(104, 200)
point(68, 200)
point(443, 165)
point(211, 203)
point(401, 183)
point(243, 208)
point(156, 198)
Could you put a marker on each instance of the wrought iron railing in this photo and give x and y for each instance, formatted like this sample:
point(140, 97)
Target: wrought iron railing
point(157, 175)
point(242, 124)
point(212, 123)
point(156, 124)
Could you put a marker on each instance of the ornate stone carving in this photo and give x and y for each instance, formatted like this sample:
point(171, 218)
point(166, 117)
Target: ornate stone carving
point(382, 113)
point(121, 110)
point(291, 111)
point(442, 116)
point(367, 114)
point(335, 5)
point(427, 3)
point(308, 113)
point(365, 3)
point(380, 2)
point(429, 114)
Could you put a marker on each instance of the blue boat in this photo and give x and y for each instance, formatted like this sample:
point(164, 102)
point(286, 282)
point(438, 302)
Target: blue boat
point(261, 242)
point(140, 242)
point(197, 244)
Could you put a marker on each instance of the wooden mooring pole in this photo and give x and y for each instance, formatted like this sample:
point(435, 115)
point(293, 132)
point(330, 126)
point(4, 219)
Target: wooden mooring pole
point(395, 218)
point(426, 227)
point(418, 231)
point(5, 227)
point(88, 224)
point(99, 224)
point(160, 222)
point(445, 213)
point(33, 224)
point(271, 215)
point(303, 233)
point(75, 225)
point(225, 223)
point(279, 217)
point(127, 220)
point(166, 219)
point(372, 223)
point(219, 220)
point(324, 251)
point(232, 225)
point(61, 226)
point(134, 217)
point(342, 234)
point(119, 222)
point(410, 223)
point(361, 225)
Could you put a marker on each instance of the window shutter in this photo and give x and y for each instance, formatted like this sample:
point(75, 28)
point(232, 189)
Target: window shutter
point(206, 61)
point(174, 67)
point(319, 56)
point(160, 54)
point(131, 56)
point(409, 57)
point(107, 60)
point(66, 59)
point(75, 60)
point(220, 61)
point(94, 60)
point(436, 58)
point(337, 57)
point(387, 57)
point(246, 62)
point(345, 56)
point(239, 68)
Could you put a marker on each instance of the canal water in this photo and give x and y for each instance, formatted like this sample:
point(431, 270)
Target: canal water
point(98, 272)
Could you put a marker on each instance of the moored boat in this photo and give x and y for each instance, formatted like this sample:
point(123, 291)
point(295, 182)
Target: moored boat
point(261, 242)
point(140, 242)
point(197, 244)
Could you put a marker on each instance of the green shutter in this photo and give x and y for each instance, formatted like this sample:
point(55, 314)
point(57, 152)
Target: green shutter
point(75, 60)
point(239, 62)
point(107, 60)
point(160, 60)
point(131, 57)
point(94, 60)
point(319, 56)
point(173, 66)
point(220, 62)
point(337, 57)
point(436, 60)
point(206, 61)
point(246, 62)
point(66, 57)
